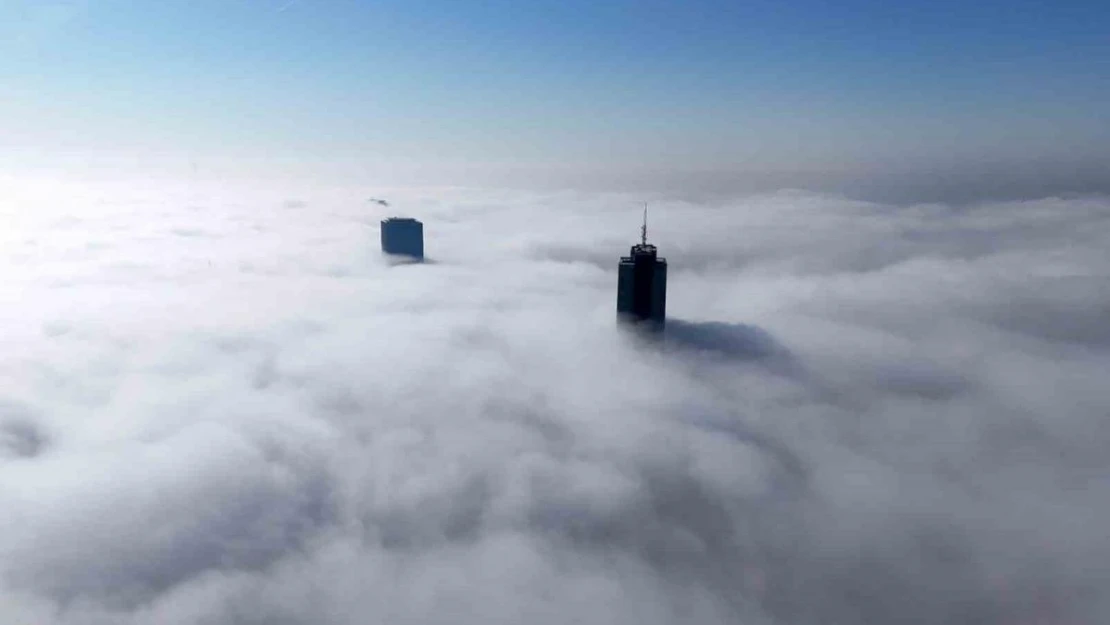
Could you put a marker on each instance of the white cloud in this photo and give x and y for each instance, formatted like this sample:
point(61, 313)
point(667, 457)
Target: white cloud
point(222, 405)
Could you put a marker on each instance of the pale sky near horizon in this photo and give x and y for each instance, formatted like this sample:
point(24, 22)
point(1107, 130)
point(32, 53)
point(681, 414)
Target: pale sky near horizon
point(802, 93)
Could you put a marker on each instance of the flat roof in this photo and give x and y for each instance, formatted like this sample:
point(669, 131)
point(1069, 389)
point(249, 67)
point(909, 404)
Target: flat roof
point(403, 219)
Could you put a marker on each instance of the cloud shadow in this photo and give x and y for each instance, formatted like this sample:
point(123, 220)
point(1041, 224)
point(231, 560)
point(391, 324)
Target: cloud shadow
point(734, 341)
point(395, 260)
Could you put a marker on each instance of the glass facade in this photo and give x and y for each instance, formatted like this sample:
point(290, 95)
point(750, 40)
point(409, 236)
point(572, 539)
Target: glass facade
point(642, 287)
point(404, 236)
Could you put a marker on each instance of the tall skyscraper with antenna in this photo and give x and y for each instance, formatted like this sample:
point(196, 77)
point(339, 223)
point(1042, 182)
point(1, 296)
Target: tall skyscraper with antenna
point(642, 285)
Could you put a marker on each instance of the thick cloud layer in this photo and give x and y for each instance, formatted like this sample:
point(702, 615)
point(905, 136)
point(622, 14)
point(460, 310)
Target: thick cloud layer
point(224, 406)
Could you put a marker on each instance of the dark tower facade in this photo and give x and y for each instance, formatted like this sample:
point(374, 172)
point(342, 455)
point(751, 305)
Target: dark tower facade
point(642, 285)
point(404, 236)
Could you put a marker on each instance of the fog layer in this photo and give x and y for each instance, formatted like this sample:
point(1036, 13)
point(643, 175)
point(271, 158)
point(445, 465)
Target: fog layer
point(222, 405)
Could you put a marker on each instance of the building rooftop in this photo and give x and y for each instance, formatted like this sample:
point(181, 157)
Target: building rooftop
point(642, 249)
point(408, 219)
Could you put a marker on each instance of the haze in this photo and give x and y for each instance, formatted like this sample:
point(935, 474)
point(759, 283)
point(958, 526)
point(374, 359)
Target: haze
point(950, 100)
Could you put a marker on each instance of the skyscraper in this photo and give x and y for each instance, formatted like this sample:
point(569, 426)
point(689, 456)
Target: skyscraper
point(403, 235)
point(642, 285)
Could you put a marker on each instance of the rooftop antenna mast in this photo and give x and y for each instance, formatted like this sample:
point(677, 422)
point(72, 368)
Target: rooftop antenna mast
point(643, 228)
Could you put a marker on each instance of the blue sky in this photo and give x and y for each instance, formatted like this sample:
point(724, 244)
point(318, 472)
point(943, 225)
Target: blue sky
point(711, 85)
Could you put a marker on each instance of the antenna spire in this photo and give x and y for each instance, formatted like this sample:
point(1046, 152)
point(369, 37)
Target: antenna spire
point(643, 228)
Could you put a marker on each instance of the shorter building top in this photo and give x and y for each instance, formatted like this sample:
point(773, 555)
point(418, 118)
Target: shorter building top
point(400, 220)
